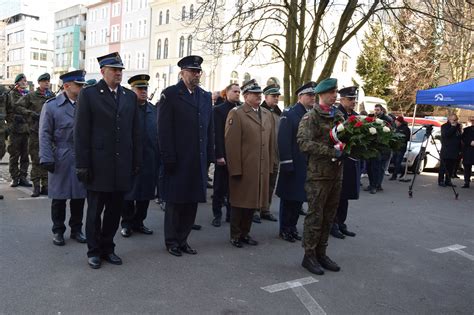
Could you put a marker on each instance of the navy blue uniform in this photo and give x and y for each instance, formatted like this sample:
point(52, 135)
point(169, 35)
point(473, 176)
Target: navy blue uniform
point(186, 141)
point(290, 186)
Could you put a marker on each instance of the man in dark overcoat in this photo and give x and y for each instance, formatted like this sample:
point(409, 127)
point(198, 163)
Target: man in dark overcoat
point(144, 184)
point(468, 152)
point(108, 155)
point(351, 170)
point(451, 133)
point(290, 186)
point(221, 175)
point(56, 153)
point(186, 141)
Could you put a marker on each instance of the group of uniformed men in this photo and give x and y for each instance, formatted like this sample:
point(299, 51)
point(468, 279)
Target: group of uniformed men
point(110, 145)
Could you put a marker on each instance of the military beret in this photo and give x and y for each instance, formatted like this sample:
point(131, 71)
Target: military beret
point(76, 76)
point(19, 77)
point(251, 86)
point(112, 60)
point(350, 91)
point(326, 85)
point(191, 62)
point(139, 80)
point(91, 82)
point(272, 89)
point(44, 77)
point(307, 88)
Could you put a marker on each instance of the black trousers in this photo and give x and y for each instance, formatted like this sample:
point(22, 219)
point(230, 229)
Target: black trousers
point(100, 231)
point(134, 212)
point(179, 220)
point(289, 214)
point(58, 215)
point(446, 170)
point(240, 222)
point(341, 214)
point(467, 173)
point(221, 191)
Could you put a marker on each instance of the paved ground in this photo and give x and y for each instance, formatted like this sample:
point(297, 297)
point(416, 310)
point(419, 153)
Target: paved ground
point(388, 268)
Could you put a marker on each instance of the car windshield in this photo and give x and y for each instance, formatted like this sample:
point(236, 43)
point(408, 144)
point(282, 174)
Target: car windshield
point(418, 136)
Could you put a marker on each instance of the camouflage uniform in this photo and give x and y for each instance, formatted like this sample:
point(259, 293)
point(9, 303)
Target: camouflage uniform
point(18, 134)
point(30, 106)
point(3, 126)
point(323, 180)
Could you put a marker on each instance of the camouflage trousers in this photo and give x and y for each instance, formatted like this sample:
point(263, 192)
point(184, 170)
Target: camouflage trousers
point(39, 176)
point(18, 150)
point(323, 199)
point(2, 145)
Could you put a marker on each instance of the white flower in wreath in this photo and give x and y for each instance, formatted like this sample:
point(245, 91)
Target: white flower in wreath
point(372, 130)
point(386, 129)
point(362, 117)
point(340, 127)
point(379, 121)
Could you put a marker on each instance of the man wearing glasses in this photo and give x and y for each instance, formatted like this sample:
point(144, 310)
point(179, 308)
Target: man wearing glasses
point(186, 142)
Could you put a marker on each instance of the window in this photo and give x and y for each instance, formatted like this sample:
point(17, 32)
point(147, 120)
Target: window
point(115, 33)
point(144, 28)
point(247, 77)
point(190, 45)
point(138, 60)
point(276, 45)
point(127, 58)
point(142, 61)
point(160, 21)
point(116, 9)
point(164, 80)
point(236, 42)
point(248, 46)
point(57, 42)
point(167, 16)
point(181, 47)
point(165, 49)
point(158, 49)
point(103, 35)
point(234, 77)
point(344, 63)
point(191, 12)
point(35, 55)
point(183, 13)
point(139, 31)
point(44, 56)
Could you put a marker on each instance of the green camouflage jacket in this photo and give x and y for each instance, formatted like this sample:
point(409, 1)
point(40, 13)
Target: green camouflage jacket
point(17, 123)
point(314, 141)
point(30, 106)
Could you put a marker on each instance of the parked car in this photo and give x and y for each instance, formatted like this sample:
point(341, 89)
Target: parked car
point(432, 144)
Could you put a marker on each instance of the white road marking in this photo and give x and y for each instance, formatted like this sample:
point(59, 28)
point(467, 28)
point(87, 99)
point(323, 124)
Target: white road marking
point(29, 192)
point(303, 295)
point(32, 198)
point(456, 248)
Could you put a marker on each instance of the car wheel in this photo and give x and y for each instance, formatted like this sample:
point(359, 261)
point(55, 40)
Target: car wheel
point(421, 167)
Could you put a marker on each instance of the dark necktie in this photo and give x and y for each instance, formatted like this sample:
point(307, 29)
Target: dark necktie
point(114, 95)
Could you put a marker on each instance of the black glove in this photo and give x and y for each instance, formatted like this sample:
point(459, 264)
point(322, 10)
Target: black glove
point(49, 166)
point(136, 170)
point(170, 167)
point(19, 119)
point(83, 175)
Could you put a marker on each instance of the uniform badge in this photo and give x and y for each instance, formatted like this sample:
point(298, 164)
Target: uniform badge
point(230, 121)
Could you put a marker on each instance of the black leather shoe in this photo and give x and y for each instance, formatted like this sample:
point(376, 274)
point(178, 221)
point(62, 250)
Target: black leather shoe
point(216, 222)
point(249, 240)
point(36, 192)
point(442, 184)
point(144, 230)
point(44, 191)
point(112, 258)
point(236, 242)
point(393, 178)
point(287, 237)
point(450, 184)
point(328, 264)
point(78, 236)
point(175, 251)
point(58, 239)
point(301, 212)
point(380, 188)
point(15, 183)
point(1, 197)
point(346, 232)
point(126, 232)
point(312, 265)
point(256, 219)
point(466, 185)
point(188, 250)
point(94, 262)
point(336, 233)
point(24, 182)
point(196, 227)
point(269, 217)
point(296, 236)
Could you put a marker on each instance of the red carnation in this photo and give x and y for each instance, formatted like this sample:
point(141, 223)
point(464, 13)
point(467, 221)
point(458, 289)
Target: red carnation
point(358, 124)
point(352, 119)
point(369, 119)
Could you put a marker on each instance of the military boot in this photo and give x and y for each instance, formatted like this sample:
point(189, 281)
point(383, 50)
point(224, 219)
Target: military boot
point(345, 231)
point(24, 182)
point(312, 265)
point(327, 263)
point(44, 190)
point(15, 183)
point(36, 191)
